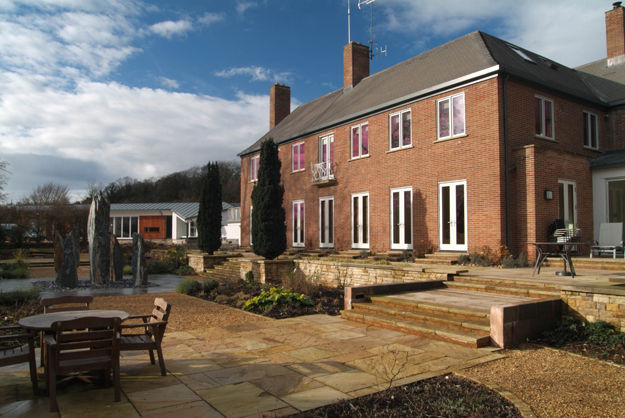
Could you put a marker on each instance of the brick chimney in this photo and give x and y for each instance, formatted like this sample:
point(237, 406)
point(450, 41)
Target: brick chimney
point(615, 33)
point(279, 103)
point(355, 64)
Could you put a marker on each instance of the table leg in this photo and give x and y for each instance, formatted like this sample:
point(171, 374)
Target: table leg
point(539, 261)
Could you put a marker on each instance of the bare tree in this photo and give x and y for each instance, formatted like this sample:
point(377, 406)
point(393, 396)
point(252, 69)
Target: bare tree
point(3, 178)
point(49, 194)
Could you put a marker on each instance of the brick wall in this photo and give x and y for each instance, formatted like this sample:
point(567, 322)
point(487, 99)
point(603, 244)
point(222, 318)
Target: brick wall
point(615, 31)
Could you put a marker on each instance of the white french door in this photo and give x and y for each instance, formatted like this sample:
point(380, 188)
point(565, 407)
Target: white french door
point(567, 204)
point(360, 220)
point(401, 218)
point(452, 198)
point(298, 223)
point(326, 222)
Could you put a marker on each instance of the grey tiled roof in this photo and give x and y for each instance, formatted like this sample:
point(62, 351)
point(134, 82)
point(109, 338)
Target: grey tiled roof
point(471, 56)
point(609, 159)
point(186, 210)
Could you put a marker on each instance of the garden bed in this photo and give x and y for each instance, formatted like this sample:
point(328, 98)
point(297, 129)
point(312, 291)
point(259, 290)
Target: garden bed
point(441, 396)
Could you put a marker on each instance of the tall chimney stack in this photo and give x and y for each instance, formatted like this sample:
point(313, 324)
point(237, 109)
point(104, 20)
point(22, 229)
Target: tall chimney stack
point(615, 34)
point(355, 64)
point(279, 104)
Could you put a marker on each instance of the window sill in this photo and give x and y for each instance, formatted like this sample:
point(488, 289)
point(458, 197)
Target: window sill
point(253, 181)
point(591, 148)
point(359, 158)
point(298, 171)
point(399, 149)
point(298, 246)
point(546, 138)
point(451, 138)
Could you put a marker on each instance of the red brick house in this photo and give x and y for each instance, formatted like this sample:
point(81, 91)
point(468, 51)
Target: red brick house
point(475, 143)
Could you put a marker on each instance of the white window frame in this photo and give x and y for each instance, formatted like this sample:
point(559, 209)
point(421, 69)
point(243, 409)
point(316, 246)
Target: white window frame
point(302, 164)
point(588, 117)
point(192, 229)
point(401, 130)
point(119, 234)
point(301, 226)
point(254, 175)
point(566, 198)
point(330, 243)
point(450, 100)
point(251, 208)
point(351, 142)
point(402, 215)
point(543, 129)
point(360, 245)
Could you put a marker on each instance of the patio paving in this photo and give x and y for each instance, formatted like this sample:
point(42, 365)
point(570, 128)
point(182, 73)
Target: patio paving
point(276, 367)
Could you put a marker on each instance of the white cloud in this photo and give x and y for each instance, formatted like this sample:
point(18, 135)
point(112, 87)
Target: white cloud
point(168, 82)
point(208, 19)
point(256, 73)
point(243, 6)
point(169, 28)
point(569, 31)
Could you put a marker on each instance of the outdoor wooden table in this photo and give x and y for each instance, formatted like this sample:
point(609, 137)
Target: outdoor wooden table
point(562, 249)
point(43, 322)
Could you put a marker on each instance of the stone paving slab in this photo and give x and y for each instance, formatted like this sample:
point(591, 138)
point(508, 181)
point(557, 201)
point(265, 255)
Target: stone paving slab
point(275, 367)
point(461, 298)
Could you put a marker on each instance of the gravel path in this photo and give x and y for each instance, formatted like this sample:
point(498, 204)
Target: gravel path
point(551, 382)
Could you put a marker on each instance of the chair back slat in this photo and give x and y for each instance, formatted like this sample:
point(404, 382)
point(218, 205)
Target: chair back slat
point(66, 303)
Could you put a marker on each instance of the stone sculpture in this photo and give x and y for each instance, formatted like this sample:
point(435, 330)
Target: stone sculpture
point(99, 240)
point(67, 268)
point(117, 260)
point(139, 269)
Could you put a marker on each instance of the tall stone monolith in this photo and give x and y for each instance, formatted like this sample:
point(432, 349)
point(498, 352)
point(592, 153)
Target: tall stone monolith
point(68, 276)
point(58, 255)
point(99, 240)
point(117, 260)
point(139, 269)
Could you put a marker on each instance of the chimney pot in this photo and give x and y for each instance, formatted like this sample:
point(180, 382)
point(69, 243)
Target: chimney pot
point(355, 64)
point(279, 103)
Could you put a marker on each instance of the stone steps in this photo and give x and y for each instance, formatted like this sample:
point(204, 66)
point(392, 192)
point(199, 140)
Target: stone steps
point(598, 263)
point(503, 289)
point(230, 270)
point(535, 284)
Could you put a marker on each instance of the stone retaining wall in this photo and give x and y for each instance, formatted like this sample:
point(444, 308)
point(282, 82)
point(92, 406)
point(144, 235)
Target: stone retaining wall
point(200, 261)
point(593, 304)
point(332, 273)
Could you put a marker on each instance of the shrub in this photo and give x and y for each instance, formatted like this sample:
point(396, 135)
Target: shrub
point(508, 261)
point(209, 285)
point(13, 271)
point(158, 267)
point(189, 287)
point(127, 270)
point(276, 297)
point(298, 283)
point(19, 296)
point(177, 256)
point(571, 329)
point(185, 270)
point(249, 276)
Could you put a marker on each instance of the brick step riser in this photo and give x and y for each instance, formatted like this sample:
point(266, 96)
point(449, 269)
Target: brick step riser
point(531, 293)
point(434, 261)
point(443, 322)
point(432, 335)
point(499, 283)
point(467, 316)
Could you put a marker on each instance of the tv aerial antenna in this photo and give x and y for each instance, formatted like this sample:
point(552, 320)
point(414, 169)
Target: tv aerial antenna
point(374, 49)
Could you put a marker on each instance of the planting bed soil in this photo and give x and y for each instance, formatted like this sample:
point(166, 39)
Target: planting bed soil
point(442, 396)
point(326, 300)
point(615, 353)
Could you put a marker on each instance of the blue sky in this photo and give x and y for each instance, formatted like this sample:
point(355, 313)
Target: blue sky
point(91, 91)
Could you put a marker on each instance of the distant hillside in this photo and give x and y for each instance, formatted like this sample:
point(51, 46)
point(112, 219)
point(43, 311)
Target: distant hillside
point(183, 186)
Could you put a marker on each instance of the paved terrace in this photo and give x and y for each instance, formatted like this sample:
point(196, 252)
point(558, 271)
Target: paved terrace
point(274, 366)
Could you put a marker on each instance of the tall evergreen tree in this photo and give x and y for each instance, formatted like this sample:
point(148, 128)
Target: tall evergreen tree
point(209, 215)
point(268, 217)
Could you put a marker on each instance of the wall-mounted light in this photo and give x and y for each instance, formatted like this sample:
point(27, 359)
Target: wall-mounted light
point(548, 194)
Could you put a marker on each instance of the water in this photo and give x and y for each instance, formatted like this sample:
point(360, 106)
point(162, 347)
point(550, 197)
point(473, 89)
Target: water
point(158, 283)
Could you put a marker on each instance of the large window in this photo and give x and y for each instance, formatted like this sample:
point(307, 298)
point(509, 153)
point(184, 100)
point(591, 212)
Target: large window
point(298, 223)
point(125, 226)
point(401, 218)
point(326, 222)
point(360, 140)
point(591, 131)
point(399, 130)
point(298, 157)
point(543, 117)
point(254, 168)
point(451, 116)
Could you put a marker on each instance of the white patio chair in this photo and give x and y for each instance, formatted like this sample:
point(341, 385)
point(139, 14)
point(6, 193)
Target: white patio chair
point(610, 239)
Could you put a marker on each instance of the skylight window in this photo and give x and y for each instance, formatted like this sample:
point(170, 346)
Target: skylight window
point(522, 54)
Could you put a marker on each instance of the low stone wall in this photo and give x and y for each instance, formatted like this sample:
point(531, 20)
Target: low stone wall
point(200, 261)
point(605, 303)
point(332, 273)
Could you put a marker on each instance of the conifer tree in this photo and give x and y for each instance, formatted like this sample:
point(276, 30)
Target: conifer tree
point(268, 217)
point(209, 214)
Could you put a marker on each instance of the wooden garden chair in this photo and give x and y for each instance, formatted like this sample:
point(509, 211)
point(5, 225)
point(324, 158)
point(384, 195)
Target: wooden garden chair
point(82, 345)
point(22, 353)
point(153, 326)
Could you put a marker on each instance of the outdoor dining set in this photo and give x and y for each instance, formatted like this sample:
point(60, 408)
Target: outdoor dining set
point(75, 339)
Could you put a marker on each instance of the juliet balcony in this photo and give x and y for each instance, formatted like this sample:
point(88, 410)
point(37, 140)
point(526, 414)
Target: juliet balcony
point(323, 174)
